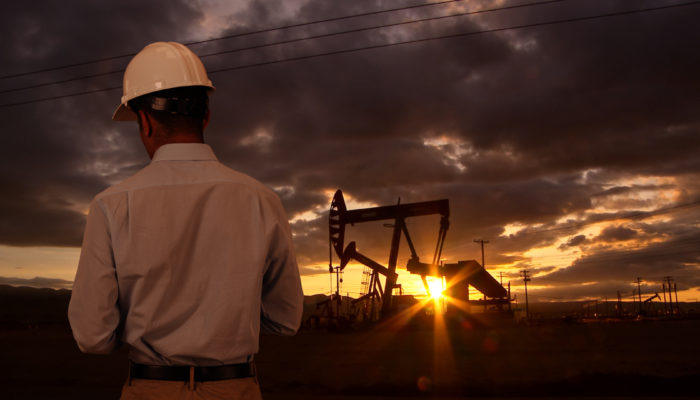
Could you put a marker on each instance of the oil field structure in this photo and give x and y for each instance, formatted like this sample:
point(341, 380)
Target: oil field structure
point(380, 301)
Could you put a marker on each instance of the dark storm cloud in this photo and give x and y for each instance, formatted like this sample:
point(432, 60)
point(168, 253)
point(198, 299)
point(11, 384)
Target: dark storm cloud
point(518, 127)
point(606, 76)
point(31, 218)
point(616, 233)
point(573, 241)
point(626, 190)
point(566, 291)
point(57, 155)
point(56, 33)
point(677, 257)
point(306, 270)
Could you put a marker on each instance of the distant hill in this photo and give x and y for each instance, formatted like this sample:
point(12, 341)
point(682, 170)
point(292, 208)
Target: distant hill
point(27, 291)
point(22, 307)
point(37, 282)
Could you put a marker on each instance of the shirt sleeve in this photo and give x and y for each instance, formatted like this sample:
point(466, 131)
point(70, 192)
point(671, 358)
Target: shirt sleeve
point(282, 295)
point(93, 310)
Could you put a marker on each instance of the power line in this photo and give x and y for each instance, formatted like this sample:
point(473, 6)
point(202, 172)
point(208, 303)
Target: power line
point(456, 35)
point(236, 35)
point(297, 40)
point(19, 103)
point(433, 38)
point(79, 78)
point(394, 24)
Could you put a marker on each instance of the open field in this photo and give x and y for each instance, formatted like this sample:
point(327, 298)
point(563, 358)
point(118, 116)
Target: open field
point(601, 360)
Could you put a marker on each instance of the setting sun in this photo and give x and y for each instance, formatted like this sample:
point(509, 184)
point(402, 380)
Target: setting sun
point(435, 287)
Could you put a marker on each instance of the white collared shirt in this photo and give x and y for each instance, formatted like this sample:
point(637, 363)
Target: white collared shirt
point(185, 262)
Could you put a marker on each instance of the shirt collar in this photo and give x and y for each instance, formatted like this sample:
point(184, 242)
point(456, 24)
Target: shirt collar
point(184, 152)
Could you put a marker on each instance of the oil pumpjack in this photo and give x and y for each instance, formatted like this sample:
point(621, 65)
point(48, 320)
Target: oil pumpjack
point(458, 275)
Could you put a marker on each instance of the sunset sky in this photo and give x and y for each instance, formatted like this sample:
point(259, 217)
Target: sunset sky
point(567, 133)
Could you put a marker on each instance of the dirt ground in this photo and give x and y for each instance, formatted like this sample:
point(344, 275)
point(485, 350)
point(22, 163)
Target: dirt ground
point(597, 360)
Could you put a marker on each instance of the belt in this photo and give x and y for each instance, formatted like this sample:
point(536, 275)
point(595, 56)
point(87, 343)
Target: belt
point(182, 373)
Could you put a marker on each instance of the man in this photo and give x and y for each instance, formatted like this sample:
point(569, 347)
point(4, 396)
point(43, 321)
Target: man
point(187, 260)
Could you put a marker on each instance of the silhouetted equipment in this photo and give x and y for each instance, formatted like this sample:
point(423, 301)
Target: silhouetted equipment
point(459, 275)
point(655, 296)
point(647, 305)
point(462, 272)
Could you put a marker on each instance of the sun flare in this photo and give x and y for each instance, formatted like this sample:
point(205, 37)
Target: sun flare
point(436, 288)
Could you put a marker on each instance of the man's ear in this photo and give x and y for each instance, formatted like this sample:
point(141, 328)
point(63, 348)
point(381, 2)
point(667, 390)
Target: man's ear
point(145, 123)
point(205, 121)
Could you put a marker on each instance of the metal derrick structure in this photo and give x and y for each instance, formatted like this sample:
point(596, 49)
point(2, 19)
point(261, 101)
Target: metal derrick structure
point(458, 275)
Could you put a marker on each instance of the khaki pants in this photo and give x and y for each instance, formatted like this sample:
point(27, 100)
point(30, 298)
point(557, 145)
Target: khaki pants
point(147, 389)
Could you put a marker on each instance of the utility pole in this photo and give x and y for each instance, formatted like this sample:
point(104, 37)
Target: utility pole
point(639, 292)
point(619, 304)
point(675, 289)
point(483, 264)
point(607, 313)
point(509, 298)
point(526, 278)
point(663, 290)
point(668, 280)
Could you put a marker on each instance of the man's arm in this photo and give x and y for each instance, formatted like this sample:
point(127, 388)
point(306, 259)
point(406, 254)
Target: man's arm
point(282, 296)
point(93, 311)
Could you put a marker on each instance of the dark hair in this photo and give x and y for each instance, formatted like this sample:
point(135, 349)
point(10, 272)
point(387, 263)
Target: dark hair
point(183, 106)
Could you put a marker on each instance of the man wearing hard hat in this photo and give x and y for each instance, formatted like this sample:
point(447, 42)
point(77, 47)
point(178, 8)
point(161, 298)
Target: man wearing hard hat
point(187, 260)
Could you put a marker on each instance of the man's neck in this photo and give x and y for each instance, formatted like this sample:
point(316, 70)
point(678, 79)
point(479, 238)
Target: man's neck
point(183, 138)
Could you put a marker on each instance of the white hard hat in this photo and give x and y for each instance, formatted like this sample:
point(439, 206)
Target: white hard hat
point(160, 66)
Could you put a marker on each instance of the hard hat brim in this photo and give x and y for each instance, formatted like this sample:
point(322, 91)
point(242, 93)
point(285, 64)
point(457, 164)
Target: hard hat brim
point(123, 113)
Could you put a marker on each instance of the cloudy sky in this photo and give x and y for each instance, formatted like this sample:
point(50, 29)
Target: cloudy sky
point(570, 143)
